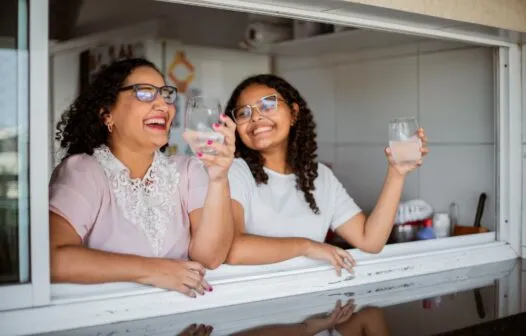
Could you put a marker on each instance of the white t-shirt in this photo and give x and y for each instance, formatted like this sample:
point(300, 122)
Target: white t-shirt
point(278, 209)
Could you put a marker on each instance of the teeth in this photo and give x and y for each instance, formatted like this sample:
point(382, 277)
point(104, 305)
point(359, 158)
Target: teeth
point(261, 130)
point(156, 121)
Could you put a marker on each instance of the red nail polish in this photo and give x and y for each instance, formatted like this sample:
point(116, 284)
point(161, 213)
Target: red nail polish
point(209, 142)
point(210, 289)
point(216, 125)
point(200, 154)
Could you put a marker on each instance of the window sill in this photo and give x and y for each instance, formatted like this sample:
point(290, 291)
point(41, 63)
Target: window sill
point(69, 293)
point(230, 320)
point(69, 310)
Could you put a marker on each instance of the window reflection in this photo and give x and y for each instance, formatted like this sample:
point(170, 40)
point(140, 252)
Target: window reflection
point(14, 247)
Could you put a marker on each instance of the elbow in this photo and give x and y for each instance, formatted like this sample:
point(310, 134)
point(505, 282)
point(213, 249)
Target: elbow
point(373, 249)
point(234, 257)
point(212, 264)
point(57, 267)
point(231, 259)
point(376, 250)
point(210, 259)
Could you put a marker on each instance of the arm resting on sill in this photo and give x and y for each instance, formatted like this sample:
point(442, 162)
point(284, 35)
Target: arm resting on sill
point(256, 250)
point(74, 263)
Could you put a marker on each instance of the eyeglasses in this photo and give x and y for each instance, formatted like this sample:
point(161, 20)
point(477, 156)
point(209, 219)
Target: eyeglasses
point(148, 92)
point(265, 106)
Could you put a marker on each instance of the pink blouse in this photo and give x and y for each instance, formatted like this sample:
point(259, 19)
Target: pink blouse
point(114, 213)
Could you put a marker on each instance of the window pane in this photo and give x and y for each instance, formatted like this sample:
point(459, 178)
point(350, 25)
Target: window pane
point(14, 215)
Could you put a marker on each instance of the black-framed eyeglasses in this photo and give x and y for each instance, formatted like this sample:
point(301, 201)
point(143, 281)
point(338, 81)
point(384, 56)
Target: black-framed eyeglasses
point(265, 106)
point(148, 92)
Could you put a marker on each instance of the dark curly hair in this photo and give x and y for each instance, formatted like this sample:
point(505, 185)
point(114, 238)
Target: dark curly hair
point(81, 128)
point(302, 146)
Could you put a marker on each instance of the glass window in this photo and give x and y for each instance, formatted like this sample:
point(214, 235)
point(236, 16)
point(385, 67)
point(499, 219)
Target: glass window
point(14, 215)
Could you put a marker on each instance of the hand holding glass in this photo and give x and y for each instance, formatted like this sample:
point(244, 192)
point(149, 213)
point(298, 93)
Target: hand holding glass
point(201, 115)
point(404, 141)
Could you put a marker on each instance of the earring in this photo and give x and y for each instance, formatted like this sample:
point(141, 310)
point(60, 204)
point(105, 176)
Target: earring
point(110, 127)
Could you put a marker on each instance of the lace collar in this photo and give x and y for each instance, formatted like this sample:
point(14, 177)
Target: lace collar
point(148, 203)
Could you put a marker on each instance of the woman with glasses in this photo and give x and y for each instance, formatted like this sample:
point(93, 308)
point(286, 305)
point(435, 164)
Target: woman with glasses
point(120, 209)
point(284, 201)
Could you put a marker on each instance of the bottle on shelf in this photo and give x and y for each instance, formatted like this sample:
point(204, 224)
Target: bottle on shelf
point(426, 231)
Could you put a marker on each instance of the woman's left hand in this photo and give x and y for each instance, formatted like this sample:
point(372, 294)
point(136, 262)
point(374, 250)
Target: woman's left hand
point(404, 168)
point(219, 163)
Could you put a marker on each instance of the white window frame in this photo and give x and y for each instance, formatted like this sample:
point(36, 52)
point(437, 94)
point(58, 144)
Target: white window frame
point(65, 307)
point(523, 66)
point(37, 291)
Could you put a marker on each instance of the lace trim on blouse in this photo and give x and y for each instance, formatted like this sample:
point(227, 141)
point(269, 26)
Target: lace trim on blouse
point(148, 203)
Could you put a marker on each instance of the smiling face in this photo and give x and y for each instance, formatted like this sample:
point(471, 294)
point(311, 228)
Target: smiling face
point(139, 124)
point(268, 127)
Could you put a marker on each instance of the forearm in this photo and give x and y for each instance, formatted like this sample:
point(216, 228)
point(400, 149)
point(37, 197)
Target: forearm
point(79, 264)
point(255, 250)
point(379, 224)
point(212, 239)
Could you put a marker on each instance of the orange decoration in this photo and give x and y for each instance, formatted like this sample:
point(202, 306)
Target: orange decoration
point(179, 60)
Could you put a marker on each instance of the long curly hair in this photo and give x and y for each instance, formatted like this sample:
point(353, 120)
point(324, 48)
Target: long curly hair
point(81, 128)
point(302, 146)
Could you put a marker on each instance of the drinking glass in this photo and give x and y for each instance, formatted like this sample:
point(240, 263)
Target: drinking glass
point(201, 113)
point(404, 141)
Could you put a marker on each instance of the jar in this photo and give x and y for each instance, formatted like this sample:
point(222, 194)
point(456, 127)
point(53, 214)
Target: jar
point(441, 225)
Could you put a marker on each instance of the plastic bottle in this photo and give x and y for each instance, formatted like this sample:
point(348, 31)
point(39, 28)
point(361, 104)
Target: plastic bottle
point(426, 231)
point(441, 225)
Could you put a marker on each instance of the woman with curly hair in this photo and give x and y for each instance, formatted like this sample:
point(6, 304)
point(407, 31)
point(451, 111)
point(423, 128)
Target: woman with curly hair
point(120, 209)
point(284, 201)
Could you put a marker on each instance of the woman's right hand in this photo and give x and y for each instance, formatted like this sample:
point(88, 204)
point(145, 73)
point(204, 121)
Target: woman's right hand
point(336, 256)
point(219, 164)
point(186, 277)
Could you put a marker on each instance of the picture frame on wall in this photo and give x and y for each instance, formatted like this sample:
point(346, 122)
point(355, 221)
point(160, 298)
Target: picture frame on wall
point(95, 59)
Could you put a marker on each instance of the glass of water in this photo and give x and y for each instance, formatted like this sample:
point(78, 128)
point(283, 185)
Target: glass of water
point(404, 141)
point(200, 116)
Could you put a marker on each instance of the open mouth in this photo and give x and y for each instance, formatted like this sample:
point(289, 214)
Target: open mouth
point(158, 124)
point(262, 130)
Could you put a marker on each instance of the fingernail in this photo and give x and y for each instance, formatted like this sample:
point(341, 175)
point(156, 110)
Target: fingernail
point(209, 142)
point(216, 125)
point(210, 289)
point(200, 154)
point(223, 116)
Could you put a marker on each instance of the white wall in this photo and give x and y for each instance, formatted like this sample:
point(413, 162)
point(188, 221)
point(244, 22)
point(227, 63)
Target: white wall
point(449, 89)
